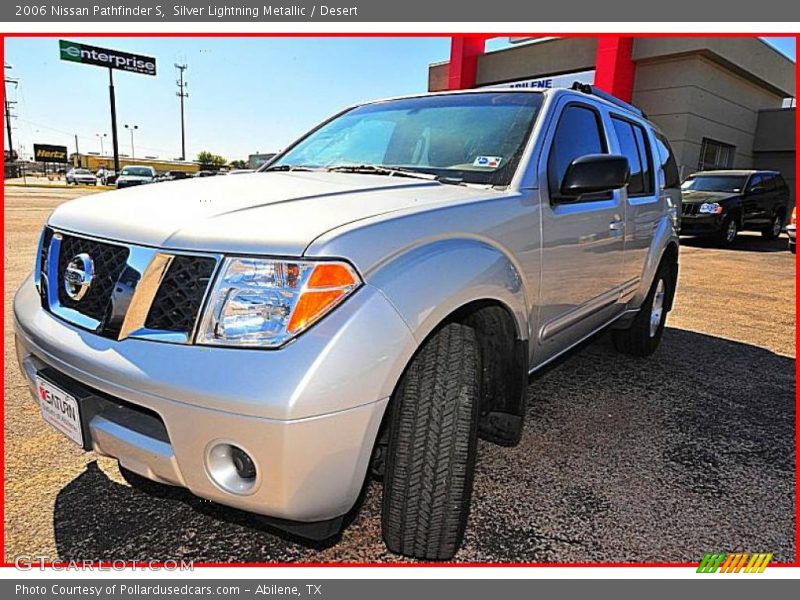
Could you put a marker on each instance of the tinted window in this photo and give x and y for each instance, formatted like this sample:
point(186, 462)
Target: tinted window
point(672, 178)
point(634, 147)
point(578, 133)
point(756, 181)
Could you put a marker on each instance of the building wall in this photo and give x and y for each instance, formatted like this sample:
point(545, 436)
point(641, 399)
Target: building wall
point(774, 146)
point(691, 97)
point(690, 87)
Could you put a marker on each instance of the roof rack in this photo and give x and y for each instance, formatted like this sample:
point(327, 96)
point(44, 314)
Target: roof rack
point(587, 88)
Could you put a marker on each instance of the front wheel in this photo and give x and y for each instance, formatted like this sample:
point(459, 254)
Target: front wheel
point(644, 334)
point(728, 233)
point(432, 447)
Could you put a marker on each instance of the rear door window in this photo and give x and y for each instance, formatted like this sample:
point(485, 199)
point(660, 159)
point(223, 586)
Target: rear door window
point(634, 146)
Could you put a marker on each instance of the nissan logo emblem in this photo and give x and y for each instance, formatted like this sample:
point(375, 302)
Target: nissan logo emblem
point(78, 276)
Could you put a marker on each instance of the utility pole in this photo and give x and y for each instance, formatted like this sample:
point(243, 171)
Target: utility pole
point(8, 104)
point(77, 153)
point(182, 93)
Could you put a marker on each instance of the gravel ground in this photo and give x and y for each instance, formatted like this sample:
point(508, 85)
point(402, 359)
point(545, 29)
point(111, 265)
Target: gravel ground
point(621, 460)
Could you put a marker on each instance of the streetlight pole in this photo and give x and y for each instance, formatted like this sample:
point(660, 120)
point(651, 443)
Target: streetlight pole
point(101, 136)
point(131, 128)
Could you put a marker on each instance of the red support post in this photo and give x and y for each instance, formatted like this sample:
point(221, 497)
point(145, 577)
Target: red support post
point(615, 69)
point(464, 53)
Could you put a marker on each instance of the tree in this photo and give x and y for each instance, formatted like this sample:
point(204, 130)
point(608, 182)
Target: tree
point(237, 164)
point(209, 161)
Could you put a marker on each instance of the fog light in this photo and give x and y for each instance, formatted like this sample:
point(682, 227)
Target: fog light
point(243, 463)
point(231, 468)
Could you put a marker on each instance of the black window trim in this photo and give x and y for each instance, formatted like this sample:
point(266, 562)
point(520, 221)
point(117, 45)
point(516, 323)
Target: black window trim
point(557, 197)
point(648, 152)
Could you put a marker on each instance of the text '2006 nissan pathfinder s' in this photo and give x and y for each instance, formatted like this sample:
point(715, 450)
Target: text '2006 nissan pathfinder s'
point(373, 300)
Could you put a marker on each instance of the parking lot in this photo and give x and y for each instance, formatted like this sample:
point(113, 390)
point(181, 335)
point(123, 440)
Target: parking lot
point(622, 460)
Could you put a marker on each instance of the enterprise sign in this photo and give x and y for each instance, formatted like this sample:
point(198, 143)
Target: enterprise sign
point(103, 57)
point(548, 83)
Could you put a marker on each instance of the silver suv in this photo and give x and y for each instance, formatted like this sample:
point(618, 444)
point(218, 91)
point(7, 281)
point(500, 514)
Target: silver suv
point(373, 300)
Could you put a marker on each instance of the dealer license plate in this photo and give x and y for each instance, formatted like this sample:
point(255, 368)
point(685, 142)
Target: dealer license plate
point(60, 410)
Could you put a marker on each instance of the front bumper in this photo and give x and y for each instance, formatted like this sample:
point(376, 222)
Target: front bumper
point(791, 230)
point(701, 224)
point(129, 183)
point(308, 414)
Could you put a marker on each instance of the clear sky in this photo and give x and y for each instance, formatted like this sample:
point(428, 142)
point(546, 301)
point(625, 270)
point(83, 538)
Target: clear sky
point(245, 94)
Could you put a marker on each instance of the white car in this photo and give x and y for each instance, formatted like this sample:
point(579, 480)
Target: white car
point(81, 177)
point(130, 176)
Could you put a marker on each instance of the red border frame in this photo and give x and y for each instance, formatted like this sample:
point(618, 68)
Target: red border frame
point(102, 564)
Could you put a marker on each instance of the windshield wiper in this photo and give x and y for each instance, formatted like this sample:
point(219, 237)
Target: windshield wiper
point(391, 172)
point(288, 168)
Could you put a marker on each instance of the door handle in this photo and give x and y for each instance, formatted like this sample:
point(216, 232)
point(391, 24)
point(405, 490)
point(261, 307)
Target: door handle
point(616, 226)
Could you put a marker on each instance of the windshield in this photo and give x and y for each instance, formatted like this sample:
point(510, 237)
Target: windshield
point(714, 183)
point(81, 172)
point(137, 171)
point(474, 138)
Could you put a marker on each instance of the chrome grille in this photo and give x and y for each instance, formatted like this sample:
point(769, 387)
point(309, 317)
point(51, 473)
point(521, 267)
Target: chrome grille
point(181, 293)
point(690, 208)
point(109, 260)
point(136, 292)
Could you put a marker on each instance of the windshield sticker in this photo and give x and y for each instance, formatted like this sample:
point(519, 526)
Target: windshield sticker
point(491, 162)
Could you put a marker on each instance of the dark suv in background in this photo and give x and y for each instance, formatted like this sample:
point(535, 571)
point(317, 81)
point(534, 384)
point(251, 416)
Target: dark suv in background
point(723, 203)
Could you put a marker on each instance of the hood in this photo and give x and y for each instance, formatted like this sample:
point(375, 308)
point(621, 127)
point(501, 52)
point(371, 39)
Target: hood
point(262, 213)
point(699, 196)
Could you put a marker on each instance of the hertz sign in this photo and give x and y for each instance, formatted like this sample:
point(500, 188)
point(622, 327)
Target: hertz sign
point(103, 57)
point(50, 153)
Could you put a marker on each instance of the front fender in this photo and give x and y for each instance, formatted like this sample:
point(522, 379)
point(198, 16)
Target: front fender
point(431, 281)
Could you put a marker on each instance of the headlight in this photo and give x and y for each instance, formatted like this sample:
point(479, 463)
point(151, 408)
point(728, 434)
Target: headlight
point(711, 208)
point(261, 302)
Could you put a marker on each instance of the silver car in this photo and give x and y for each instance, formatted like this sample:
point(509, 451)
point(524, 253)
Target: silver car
point(373, 300)
point(80, 177)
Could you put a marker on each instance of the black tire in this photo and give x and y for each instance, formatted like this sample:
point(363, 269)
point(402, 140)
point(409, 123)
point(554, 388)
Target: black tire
point(773, 232)
point(793, 248)
point(432, 447)
point(726, 237)
point(639, 339)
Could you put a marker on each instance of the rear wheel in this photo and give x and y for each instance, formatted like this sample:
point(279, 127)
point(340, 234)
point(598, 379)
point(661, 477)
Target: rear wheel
point(644, 334)
point(432, 447)
point(774, 230)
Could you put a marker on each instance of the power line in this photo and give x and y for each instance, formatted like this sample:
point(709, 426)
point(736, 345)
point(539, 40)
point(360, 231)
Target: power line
point(182, 94)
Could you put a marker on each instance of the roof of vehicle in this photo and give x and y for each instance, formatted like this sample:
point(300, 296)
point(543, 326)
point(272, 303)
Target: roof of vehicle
point(550, 92)
point(735, 172)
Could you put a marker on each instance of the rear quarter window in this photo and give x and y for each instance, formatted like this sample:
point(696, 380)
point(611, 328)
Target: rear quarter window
point(672, 178)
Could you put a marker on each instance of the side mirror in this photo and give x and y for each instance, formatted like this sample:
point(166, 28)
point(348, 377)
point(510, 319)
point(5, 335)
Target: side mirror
point(595, 173)
point(757, 189)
